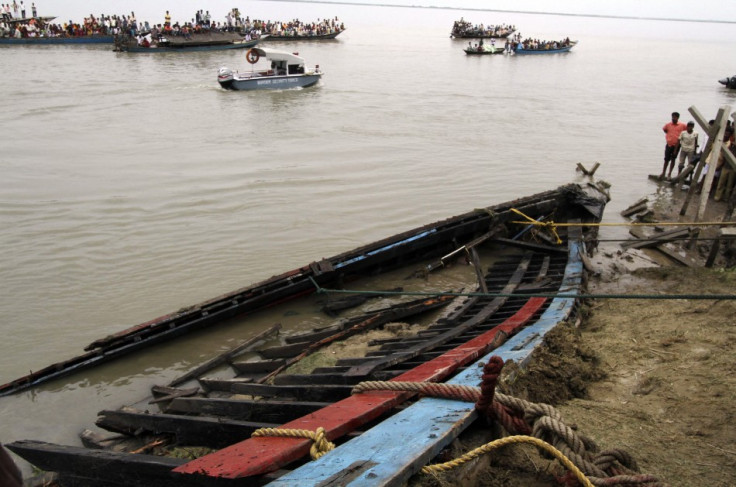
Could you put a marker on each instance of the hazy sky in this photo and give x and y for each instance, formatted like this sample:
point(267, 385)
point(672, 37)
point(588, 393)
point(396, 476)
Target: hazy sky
point(182, 10)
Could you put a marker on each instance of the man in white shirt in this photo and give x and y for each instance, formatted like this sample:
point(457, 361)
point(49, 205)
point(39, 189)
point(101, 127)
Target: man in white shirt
point(688, 145)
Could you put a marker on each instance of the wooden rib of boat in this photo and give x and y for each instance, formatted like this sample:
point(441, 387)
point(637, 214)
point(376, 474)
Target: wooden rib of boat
point(512, 299)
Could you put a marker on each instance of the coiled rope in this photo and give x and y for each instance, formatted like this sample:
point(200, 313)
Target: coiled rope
point(320, 444)
point(524, 420)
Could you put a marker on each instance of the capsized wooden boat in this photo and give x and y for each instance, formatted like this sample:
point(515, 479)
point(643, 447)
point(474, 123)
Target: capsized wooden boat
point(407, 248)
point(523, 293)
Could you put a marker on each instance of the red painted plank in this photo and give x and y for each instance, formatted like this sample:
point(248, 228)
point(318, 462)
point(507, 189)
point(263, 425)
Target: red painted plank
point(259, 455)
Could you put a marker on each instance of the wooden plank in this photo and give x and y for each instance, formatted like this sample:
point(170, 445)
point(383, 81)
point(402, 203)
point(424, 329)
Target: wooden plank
point(283, 351)
point(475, 259)
point(170, 393)
point(311, 392)
point(717, 145)
point(316, 334)
point(370, 366)
point(125, 468)
point(635, 209)
point(222, 385)
point(635, 205)
point(259, 455)
point(430, 423)
point(711, 132)
point(370, 321)
point(529, 246)
point(271, 411)
point(225, 356)
point(680, 259)
point(256, 366)
point(656, 239)
point(211, 432)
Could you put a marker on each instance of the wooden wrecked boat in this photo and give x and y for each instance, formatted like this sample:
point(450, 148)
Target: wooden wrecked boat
point(522, 295)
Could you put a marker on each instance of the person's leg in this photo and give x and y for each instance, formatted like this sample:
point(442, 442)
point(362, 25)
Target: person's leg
point(666, 160)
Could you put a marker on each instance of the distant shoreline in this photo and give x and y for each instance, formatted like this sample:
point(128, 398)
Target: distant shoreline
point(472, 9)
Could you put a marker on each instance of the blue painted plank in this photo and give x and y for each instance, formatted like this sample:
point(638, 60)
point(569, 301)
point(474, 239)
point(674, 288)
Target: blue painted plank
point(400, 446)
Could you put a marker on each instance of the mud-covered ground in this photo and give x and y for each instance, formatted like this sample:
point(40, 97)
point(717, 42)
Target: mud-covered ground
point(654, 377)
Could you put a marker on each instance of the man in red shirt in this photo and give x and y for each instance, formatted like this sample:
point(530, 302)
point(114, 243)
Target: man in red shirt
point(672, 133)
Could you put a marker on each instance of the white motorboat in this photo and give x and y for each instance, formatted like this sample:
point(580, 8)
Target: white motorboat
point(286, 70)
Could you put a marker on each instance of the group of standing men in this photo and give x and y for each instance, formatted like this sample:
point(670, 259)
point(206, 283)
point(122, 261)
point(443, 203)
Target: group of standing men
point(683, 140)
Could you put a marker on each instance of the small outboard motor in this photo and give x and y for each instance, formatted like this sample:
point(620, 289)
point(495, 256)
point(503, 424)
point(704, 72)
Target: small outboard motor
point(225, 77)
point(224, 74)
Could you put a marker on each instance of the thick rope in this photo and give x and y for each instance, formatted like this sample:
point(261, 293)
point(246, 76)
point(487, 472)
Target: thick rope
point(549, 225)
point(610, 467)
point(488, 447)
point(320, 444)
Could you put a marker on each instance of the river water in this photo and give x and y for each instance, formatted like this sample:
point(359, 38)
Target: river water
point(132, 185)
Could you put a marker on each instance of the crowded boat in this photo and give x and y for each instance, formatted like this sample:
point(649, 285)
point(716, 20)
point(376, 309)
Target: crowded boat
point(464, 29)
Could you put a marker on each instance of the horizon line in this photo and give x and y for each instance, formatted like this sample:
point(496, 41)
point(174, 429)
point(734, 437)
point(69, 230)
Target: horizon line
point(476, 9)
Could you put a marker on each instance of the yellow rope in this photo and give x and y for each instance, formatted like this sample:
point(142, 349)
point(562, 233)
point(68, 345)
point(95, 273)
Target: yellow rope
point(320, 444)
point(550, 225)
point(444, 467)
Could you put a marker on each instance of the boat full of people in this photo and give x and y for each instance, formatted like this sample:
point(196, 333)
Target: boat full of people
point(42, 30)
point(184, 40)
point(296, 30)
point(462, 29)
point(728, 82)
point(535, 46)
point(286, 70)
point(481, 48)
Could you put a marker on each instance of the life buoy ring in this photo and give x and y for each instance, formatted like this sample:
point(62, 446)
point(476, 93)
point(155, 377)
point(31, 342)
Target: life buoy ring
point(252, 56)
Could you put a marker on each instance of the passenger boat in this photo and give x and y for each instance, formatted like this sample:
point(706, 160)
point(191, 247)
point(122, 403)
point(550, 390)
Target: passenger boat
point(473, 51)
point(86, 39)
point(58, 39)
point(305, 37)
point(535, 272)
point(728, 82)
point(462, 29)
point(560, 47)
point(210, 41)
point(286, 70)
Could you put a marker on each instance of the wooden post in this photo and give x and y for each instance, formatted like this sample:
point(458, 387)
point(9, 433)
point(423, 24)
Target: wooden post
point(711, 133)
point(717, 145)
point(224, 357)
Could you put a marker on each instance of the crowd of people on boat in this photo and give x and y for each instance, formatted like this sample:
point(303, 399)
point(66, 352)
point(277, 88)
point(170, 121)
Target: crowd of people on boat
point(294, 28)
point(539, 45)
point(463, 28)
point(17, 11)
point(681, 147)
point(102, 25)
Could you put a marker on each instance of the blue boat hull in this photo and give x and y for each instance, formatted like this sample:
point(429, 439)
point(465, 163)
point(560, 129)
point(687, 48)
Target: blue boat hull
point(543, 51)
